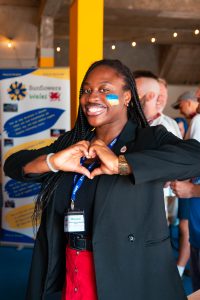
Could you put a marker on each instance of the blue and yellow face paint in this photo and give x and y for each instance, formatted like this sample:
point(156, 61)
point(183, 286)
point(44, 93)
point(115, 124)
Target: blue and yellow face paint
point(113, 99)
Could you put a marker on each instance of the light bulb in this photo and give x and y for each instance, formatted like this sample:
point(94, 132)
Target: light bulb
point(153, 39)
point(9, 44)
point(175, 34)
point(196, 32)
point(113, 47)
point(58, 49)
point(134, 44)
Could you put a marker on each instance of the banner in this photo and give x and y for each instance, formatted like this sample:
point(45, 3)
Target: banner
point(35, 110)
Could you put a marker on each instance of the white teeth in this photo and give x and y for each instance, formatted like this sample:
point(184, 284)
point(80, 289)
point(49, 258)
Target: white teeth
point(94, 109)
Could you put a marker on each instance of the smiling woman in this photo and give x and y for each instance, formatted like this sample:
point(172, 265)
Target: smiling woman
point(103, 182)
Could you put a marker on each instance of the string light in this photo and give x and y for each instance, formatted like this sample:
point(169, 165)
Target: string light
point(58, 49)
point(154, 39)
point(10, 44)
point(133, 44)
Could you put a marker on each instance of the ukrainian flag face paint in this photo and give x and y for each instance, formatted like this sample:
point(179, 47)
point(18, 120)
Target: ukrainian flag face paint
point(113, 99)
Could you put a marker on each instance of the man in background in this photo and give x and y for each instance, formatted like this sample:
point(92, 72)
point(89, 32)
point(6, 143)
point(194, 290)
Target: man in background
point(153, 96)
point(191, 190)
point(166, 121)
point(187, 104)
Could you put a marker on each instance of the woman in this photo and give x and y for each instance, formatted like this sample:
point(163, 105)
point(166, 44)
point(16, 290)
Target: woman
point(125, 231)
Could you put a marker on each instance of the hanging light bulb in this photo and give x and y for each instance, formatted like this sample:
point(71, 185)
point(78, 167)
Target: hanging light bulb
point(58, 49)
point(196, 32)
point(175, 34)
point(133, 44)
point(113, 47)
point(10, 44)
point(153, 39)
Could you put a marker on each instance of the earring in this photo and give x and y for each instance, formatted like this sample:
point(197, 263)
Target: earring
point(127, 104)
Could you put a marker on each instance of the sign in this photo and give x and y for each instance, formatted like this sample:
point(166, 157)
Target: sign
point(35, 110)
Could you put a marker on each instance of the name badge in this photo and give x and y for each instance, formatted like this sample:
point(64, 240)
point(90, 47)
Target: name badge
point(74, 221)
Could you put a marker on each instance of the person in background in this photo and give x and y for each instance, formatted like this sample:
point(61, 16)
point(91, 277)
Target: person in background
point(103, 182)
point(187, 104)
point(191, 191)
point(153, 96)
point(182, 124)
point(166, 121)
point(183, 205)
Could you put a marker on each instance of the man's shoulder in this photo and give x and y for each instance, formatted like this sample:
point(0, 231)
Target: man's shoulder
point(169, 119)
point(170, 124)
point(196, 119)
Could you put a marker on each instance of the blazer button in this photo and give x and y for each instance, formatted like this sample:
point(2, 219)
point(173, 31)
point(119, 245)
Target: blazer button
point(131, 238)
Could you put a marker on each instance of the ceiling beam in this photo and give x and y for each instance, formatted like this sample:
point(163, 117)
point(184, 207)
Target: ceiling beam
point(169, 54)
point(49, 8)
point(187, 9)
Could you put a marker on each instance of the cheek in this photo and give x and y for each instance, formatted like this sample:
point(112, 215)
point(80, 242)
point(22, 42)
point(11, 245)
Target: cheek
point(112, 99)
point(82, 100)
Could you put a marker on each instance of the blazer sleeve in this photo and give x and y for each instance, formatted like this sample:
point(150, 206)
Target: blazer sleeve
point(169, 158)
point(13, 166)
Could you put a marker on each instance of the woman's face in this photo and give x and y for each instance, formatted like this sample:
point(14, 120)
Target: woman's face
point(104, 101)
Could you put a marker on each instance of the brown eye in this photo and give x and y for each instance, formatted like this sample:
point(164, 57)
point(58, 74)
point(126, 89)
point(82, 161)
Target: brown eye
point(87, 91)
point(104, 90)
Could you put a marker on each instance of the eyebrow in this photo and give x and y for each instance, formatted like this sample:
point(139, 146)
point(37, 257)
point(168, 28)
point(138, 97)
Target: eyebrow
point(102, 82)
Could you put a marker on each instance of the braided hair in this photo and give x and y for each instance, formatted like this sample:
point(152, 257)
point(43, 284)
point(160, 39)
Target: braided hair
point(82, 129)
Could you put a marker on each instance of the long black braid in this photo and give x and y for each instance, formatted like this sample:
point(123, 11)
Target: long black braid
point(83, 131)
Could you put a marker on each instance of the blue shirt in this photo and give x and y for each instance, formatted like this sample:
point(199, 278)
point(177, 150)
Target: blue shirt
point(194, 218)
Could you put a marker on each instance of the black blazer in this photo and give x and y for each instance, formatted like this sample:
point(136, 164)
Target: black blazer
point(132, 253)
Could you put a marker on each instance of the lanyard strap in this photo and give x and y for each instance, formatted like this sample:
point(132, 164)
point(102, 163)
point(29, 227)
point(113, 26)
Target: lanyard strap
point(79, 179)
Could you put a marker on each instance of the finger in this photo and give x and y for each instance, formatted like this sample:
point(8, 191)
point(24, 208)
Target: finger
point(83, 149)
point(96, 172)
point(82, 170)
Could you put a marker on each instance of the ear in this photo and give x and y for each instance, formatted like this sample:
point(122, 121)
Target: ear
point(127, 97)
point(150, 96)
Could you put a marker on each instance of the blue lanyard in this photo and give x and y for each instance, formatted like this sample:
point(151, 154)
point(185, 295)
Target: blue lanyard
point(78, 180)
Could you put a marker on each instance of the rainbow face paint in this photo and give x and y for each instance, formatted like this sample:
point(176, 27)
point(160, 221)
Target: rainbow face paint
point(113, 99)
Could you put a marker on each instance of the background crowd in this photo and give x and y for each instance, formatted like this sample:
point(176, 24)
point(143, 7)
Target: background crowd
point(182, 198)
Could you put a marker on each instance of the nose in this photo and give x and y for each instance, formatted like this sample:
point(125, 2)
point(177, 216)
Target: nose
point(93, 96)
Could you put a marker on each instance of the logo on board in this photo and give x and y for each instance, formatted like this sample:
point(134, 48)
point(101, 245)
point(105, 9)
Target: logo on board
point(17, 91)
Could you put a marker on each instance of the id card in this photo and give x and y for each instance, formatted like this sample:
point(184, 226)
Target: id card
point(74, 221)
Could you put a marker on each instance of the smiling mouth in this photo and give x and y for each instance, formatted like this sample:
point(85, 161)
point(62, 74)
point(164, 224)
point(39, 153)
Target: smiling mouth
point(95, 110)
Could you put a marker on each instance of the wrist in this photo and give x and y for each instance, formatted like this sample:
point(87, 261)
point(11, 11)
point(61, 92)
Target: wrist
point(50, 163)
point(123, 166)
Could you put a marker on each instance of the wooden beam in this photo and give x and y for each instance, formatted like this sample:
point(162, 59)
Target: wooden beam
point(49, 8)
point(171, 8)
point(168, 55)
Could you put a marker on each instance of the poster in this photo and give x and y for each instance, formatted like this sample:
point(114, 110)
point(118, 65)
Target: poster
point(35, 110)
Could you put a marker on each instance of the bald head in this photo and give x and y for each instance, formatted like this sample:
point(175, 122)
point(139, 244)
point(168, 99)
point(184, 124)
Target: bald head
point(148, 91)
point(146, 85)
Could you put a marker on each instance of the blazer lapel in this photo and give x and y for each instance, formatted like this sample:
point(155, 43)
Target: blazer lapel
point(106, 182)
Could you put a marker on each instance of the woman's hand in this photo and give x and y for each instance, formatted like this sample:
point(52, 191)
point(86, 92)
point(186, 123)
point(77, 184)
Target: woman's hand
point(68, 160)
point(108, 160)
